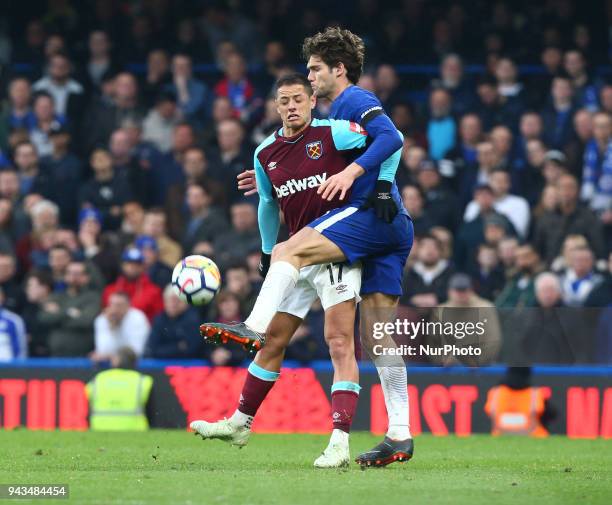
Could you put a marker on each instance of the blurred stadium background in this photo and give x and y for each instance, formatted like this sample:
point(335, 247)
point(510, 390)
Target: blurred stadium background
point(124, 124)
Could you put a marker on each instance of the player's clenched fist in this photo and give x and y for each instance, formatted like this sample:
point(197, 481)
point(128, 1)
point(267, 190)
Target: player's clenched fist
point(382, 202)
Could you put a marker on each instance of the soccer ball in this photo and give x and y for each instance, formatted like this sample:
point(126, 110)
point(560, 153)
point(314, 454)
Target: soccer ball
point(196, 279)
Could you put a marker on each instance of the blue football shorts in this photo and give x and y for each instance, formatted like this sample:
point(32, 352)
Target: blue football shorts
point(383, 248)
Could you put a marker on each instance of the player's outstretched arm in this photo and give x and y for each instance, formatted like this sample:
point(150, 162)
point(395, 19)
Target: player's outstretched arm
point(385, 137)
point(386, 140)
point(380, 199)
point(350, 135)
point(346, 135)
point(367, 110)
point(267, 216)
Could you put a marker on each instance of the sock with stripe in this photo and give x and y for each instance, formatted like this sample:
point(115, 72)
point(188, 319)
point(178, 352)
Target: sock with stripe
point(281, 279)
point(257, 385)
point(345, 395)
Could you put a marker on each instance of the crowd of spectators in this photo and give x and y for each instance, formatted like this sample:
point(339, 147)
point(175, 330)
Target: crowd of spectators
point(124, 124)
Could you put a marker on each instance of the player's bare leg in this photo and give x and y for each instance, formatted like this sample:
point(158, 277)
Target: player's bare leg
point(398, 444)
point(265, 369)
point(306, 247)
point(339, 335)
point(281, 329)
point(261, 376)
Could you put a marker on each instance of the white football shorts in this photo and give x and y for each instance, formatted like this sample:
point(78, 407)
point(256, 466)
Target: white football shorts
point(332, 283)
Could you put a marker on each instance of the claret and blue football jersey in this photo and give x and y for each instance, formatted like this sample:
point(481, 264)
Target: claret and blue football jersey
point(289, 171)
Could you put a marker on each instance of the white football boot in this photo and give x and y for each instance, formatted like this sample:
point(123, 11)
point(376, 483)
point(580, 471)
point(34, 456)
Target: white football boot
point(336, 454)
point(224, 430)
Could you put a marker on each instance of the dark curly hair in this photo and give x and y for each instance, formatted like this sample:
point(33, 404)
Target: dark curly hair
point(334, 46)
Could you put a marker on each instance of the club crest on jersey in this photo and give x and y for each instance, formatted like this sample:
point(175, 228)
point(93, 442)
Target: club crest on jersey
point(314, 150)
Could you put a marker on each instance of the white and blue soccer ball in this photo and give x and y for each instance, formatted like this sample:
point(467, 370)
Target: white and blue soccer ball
point(196, 279)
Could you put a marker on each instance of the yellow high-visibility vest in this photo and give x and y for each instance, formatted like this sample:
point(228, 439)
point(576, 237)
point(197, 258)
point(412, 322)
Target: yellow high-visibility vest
point(117, 400)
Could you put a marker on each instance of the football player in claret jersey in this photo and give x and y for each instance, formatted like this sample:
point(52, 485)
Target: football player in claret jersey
point(290, 165)
point(374, 227)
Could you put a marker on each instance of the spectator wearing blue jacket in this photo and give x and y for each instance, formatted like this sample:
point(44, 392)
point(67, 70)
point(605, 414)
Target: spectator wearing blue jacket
point(175, 333)
point(18, 113)
point(452, 79)
point(557, 115)
point(441, 128)
point(585, 89)
point(597, 170)
point(13, 342)
point(47, 119)
point(192, 94)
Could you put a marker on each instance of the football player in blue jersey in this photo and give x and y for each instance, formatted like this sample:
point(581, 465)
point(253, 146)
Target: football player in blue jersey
point(373, 227)
point(290, 164)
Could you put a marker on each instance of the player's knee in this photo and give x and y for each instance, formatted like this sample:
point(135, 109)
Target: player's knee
point(278, 251)
point(292, 252)
point(340, 346)
point(302, 243)
point(285, 250)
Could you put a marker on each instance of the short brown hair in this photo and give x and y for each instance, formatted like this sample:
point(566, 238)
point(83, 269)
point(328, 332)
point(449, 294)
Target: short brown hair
point(335, 46)
point(292, 79)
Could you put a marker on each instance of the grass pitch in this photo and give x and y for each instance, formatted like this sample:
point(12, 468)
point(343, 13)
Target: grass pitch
point(175, 467)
